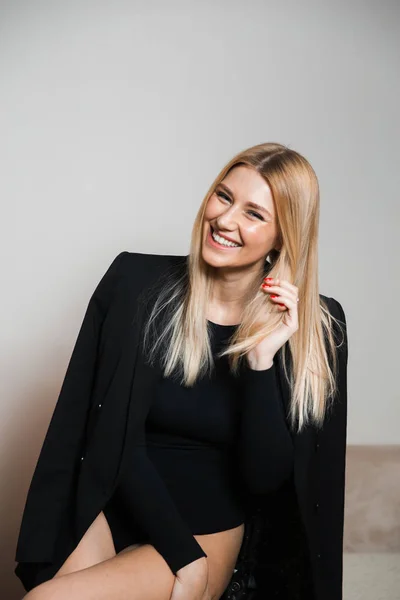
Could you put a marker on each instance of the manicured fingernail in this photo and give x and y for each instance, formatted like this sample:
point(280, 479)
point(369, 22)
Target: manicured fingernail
point(273, 296)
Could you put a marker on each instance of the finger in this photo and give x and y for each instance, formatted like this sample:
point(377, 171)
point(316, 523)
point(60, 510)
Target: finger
point(284, 284)
point(284, 301)
point(280, 281)
point(278, 290)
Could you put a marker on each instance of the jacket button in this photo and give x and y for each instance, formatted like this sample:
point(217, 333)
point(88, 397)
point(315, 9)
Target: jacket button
point(317, 447)
point(316, 507)
point(236, 587)
point(318, 556)
point(82, 457)
point(99, 405)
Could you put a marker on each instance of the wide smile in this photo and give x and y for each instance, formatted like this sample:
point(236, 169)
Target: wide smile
point(215, 244)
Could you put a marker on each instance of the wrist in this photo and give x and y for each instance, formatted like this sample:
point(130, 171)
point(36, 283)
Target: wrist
point(260, 364)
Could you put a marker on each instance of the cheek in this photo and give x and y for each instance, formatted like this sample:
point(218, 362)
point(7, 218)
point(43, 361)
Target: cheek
point(212, 209)
point(254, 233)
point(256, 237)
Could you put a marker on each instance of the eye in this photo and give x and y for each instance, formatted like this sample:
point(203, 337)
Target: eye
point(222, 195)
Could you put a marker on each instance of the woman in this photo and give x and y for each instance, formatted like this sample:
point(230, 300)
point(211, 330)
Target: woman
point(202, 398)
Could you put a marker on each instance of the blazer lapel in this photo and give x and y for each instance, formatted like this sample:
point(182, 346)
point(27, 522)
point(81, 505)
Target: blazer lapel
point(141, 387)
point(124, 407)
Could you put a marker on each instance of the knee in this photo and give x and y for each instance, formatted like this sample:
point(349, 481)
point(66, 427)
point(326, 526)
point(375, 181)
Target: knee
point(40, 592)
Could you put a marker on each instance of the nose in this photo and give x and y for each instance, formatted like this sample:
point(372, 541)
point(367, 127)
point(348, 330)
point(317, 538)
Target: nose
point(226, 221)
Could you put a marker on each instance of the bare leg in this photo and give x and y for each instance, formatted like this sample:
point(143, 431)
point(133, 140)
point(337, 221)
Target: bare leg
point(93, 570)
point(138, 574)
point(95, 546)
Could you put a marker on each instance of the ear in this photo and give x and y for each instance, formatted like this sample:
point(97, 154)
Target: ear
point(272, 256)
point(278, 244)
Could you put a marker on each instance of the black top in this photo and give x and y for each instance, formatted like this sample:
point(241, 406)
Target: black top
point(202, 447)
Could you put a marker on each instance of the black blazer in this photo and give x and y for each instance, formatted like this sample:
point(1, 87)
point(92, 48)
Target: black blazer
point(105, 397)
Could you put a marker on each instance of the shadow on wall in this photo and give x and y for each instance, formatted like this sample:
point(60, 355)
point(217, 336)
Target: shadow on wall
point(19, 455)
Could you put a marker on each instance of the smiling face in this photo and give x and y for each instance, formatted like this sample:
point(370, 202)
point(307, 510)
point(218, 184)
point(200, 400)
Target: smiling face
point(231, 212)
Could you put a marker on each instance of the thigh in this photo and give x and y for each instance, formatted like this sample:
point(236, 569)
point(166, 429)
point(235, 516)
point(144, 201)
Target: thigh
point(222, 550)
point(94, 547)
point(93, 570)
point(138, 574)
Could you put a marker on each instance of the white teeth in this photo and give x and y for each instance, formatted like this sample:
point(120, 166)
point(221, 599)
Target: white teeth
point(223, 241)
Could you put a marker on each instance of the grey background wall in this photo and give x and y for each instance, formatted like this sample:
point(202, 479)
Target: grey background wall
point(114, 119)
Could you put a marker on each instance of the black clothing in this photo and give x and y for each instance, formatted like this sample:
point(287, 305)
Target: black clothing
point(98, 418)
point(185, 478)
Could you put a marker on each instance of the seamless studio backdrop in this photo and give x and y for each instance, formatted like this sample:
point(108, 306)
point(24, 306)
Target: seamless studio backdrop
point(115, 118)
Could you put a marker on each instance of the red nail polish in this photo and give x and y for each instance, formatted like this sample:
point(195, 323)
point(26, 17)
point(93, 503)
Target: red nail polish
point(273, 296)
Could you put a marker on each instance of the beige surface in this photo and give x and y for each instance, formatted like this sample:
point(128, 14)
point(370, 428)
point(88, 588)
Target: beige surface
point(371, 576)
point(372, 510)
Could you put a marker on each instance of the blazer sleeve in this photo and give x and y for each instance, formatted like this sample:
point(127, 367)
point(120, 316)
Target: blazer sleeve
point(331, 442)
point(55, 468)
point(148, 500)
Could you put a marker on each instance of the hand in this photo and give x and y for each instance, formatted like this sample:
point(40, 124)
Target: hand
point(286, 294)
point(191, 582)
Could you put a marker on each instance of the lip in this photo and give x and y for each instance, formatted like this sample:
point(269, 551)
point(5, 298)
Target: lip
point(224, 236)
point(215, 244)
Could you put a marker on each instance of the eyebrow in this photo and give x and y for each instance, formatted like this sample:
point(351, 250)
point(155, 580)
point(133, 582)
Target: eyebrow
point(252, 204)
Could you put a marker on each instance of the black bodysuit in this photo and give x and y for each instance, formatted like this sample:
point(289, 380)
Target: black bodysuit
point(201, 447)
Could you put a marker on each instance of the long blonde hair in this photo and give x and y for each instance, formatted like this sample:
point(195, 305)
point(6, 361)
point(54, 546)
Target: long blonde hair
point(183, 295)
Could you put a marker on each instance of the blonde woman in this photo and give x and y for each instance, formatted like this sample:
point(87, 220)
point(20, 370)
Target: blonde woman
point(197, 447)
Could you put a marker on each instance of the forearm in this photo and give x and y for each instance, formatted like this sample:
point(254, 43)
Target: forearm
point(265, 444)
point(145, 493)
